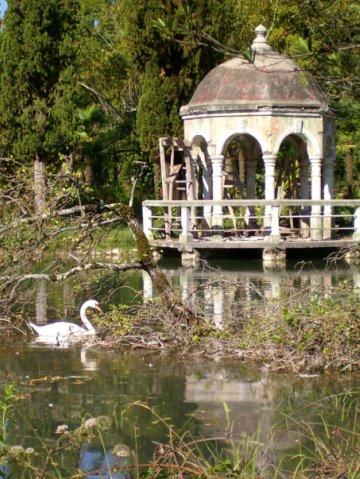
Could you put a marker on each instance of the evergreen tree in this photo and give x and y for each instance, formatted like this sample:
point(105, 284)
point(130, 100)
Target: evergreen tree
point(38, 87)
point(165, 41)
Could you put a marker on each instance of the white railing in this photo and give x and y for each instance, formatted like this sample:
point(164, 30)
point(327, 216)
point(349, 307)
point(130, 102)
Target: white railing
point(198, 219)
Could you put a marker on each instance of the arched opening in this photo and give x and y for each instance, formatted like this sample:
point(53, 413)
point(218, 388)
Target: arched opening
point(292, 181)
point(202, 168)
point(243, 177)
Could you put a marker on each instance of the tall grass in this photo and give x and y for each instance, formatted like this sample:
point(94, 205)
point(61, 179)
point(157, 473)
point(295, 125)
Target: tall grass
point(326, 447)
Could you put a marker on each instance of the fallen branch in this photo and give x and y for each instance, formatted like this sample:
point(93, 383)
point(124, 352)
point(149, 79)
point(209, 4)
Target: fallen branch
point(77, 269)
point(145, 257)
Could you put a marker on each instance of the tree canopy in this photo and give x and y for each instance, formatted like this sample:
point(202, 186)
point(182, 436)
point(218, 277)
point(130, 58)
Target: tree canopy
point(98, 81)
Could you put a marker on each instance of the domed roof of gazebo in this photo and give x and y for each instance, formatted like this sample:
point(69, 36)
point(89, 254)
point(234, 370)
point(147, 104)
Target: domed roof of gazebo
point(271, 81)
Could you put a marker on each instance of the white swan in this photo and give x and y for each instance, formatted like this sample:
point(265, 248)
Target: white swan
point(62, 331)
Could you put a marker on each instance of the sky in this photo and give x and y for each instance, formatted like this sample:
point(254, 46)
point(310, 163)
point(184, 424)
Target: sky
point(2, 7)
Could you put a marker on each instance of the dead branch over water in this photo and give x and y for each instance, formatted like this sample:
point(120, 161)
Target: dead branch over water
point(35, 235)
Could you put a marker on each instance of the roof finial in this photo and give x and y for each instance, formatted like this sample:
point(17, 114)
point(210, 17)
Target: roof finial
point(260, 44)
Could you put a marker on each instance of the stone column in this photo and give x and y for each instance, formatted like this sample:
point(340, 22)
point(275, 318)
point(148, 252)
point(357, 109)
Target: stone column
point(328, 195)
point(217, 170)
point(269, 162)
point(304, 195)
point(250, 192)
point(316, 220)
point(207, 190)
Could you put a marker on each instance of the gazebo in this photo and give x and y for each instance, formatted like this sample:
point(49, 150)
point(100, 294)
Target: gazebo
point(255, 169)
point(262, 103)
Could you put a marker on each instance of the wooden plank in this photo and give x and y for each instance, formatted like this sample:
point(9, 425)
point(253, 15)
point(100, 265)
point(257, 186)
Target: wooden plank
point(172, 159)
point(252, 202)
point(163, 170)
point(240, 245)
point(174, 171)
point(177, 142)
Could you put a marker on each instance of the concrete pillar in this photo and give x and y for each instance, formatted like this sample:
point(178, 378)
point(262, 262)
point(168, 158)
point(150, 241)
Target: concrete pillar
point(275, 225)
point(185, 235)
point(190, 258)
point(274, 258)
point(217, 163)
point(328, 195)
point(304, 195)
point(356, 234)
point(250, 192)
point(269, 163)
point(316, 220)
point(207, 189)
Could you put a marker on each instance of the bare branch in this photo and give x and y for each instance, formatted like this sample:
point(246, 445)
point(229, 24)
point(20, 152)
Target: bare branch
point(18, 279)
point(103, 101)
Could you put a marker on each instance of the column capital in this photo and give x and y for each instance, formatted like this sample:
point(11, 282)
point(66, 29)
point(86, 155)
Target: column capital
point(269, 159)
point(315, 159)
point(219, 159)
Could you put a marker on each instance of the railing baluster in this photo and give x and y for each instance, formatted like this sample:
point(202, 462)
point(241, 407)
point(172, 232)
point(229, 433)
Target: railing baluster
point(193, 213)
point(275, 226)
point(356, 235)
point(185, 225)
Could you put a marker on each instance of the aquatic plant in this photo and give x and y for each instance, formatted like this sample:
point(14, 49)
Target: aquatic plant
point(320, 448)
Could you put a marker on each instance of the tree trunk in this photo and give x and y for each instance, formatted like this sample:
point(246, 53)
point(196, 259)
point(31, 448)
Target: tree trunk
point(171, 300)
point(39, 185)
point(88, 173)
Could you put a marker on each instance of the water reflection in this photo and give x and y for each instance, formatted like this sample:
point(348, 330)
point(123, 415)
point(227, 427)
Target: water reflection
point(58, 387)
point(41, 303)
point(99, 464)
point(217, 293)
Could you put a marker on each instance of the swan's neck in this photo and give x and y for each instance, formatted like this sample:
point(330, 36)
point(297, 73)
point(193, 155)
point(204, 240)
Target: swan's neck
point(85, 320)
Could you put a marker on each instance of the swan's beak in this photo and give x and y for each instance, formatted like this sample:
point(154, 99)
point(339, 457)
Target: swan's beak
point(97, 307)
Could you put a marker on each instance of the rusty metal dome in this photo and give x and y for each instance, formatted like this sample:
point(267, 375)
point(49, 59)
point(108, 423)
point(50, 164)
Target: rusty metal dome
point(271, 81)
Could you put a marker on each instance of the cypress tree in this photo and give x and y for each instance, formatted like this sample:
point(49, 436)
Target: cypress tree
point(38, 89)
point(165, 42)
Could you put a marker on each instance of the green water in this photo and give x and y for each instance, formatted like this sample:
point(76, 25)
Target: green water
point(71, 384)
point(75, 383)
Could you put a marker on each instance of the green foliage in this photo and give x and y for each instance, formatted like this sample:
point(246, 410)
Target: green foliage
point(118, 322)
point(100, 81)
point(6, 410)
point(322, 331)
point(38, 86)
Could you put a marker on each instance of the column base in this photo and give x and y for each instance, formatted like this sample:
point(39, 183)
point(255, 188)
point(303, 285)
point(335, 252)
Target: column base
point(274, 258)
point(275, 239)
point(190, 259)
point(183, 239)
point(316, 231)
point(327, 227)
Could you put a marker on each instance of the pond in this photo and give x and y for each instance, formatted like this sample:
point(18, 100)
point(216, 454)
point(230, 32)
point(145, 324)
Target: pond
point(63, 386)
point(215, 290)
